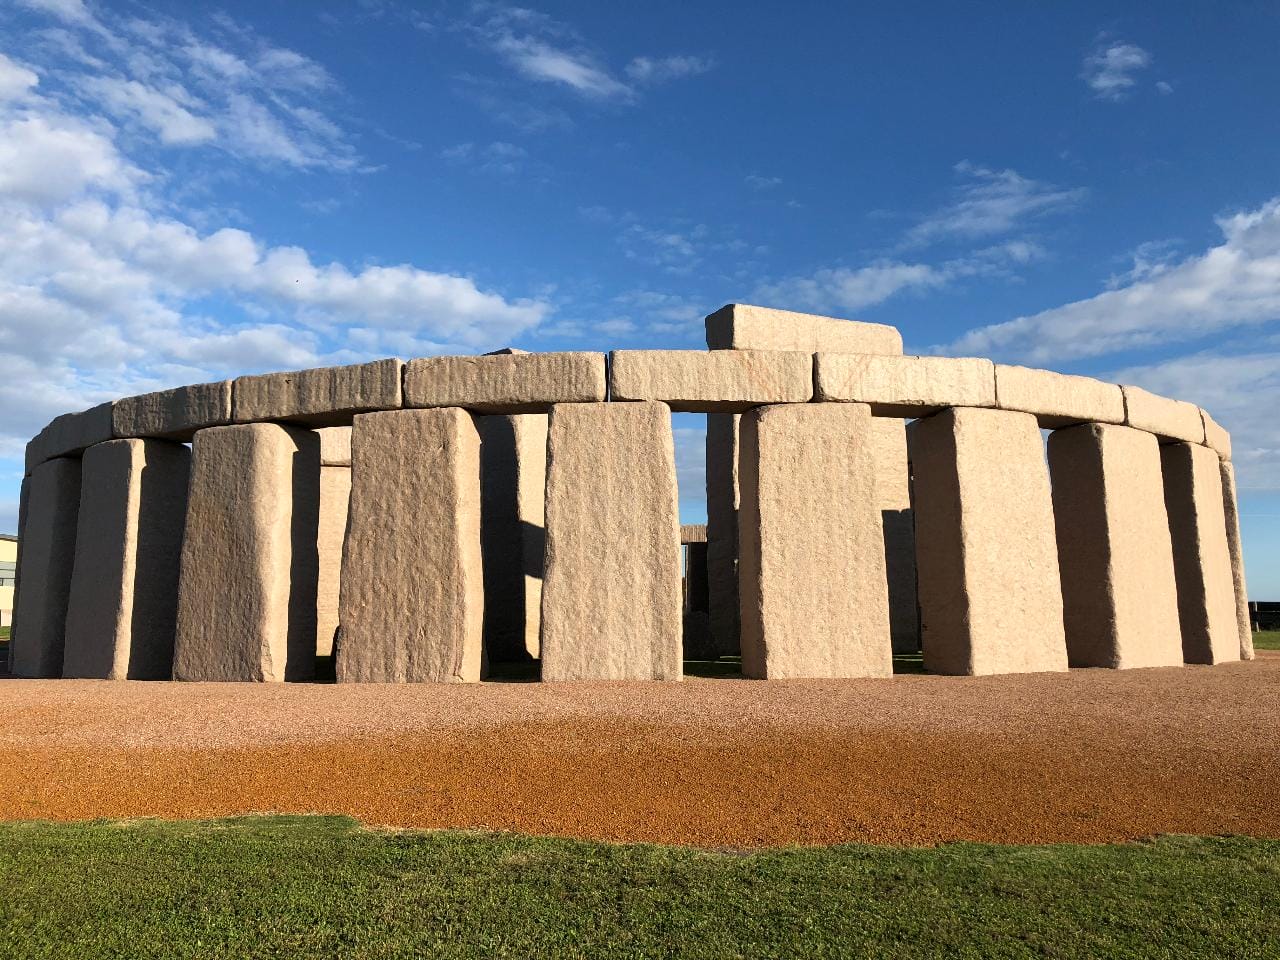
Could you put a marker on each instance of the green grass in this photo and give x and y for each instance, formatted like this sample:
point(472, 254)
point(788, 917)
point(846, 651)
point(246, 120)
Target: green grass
point(1266, 640)
point(322, 887)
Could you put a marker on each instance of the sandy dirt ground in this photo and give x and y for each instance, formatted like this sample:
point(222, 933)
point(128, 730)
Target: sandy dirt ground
point(1090, 756)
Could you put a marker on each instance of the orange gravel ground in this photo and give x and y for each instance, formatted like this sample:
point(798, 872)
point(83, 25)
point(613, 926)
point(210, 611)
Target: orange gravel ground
point(1091, 756)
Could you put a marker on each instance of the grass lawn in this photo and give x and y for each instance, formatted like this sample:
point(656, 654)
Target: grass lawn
point(1266, 640)
point(323, 887)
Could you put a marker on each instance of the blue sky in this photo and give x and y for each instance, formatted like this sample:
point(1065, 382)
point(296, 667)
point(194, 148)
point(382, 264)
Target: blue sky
point(190, 191)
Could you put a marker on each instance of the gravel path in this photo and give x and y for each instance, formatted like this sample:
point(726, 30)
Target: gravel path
point(1091, 756)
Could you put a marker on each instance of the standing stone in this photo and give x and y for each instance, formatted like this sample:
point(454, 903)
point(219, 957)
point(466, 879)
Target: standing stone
point(23, 497)
point(48, 557)
point(1120, 601)
point(1231, 508)
point(812, 566)
point(331, 530)
point(123, 609)
point(412, 606)
point(611, 593)
point(247, 588)
point(1201, 558)
point(986, 552)
point(893, 495)
point(513, 474)
point(722, 533)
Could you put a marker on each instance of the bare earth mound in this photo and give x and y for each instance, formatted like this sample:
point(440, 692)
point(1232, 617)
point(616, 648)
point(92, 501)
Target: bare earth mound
point(1090, 756)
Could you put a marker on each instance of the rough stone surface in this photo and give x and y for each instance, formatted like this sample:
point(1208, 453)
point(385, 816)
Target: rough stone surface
point(1170, 420)
point(505, 383)
point(695, 576)
point(513, 475)
point(711, 381)
point(23, 494)
point(811, 550)
point(123, 604)
point(1231, 508)
point(741, 326)
point(611, 593)
point(893, 494)
point(70, 434)
point(722, 532)
point(1120, 602)
point(323, 397)
point(1193, 496)
point(48, 557)
point(412, 605)
point(1056, 399)
point(1215, 438)
point(986, 552)
point(247, 587)
point(693, 533)
point(331, 531)
point(335, 446)
point(174, 414)
point(904, 386)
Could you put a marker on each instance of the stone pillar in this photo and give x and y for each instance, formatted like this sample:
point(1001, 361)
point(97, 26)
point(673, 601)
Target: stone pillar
point(1120, 602)
point(513, 473)
point(123, 609)
point(611, 593)
point(811, 550)
point(888, 442)
point(1201, 558)
point(48, 557)
point(247, 588)
point(697, 594)
point(1231, 508)
point(722, 532)
point(412, 604)
point(986, 552)
point(23, 493)
point(331, 530)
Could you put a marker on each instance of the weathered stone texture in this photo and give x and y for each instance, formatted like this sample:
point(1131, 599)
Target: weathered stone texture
point(893, 495)
point(1193, 496)
point(323, 397)
point(1215, 438)
point(722, 532)
point(1170, 420)
point(1120, 602)
point(611, 593)
point(331, 531)
point(505, 383)
point(513, 474)
point(1231, 508)
point(711, 381)
point(1056, 399)
point(412, 607)
point(48, 557)
point(904, 386)
point(247, 588)
point(741, 326)
point(335, 446)
point(811, 548)
point(23, 499)
point(70, 434)
point(123, 605)
point(693, 533)
point(174, 414)
point(986, 553)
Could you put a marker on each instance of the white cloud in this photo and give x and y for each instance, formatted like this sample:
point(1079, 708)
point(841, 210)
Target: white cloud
point(15, 79)
point(991, 202)
point(160, 111)
point(652, 70)
point(498, 157)
point(1109, 70)
point(541, 61)
point(1233, 284)
point(48, 159)
point(757, 182)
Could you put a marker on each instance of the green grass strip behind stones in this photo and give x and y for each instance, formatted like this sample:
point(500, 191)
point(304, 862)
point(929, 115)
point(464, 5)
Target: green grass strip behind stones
point(1266, 640)
point(322, 887)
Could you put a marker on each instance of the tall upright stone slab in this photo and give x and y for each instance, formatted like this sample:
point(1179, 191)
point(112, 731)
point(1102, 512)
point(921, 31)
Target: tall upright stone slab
point(611, 593)
point(815, 601)
point(123, 609)
point(1231, 508)
point(48, 558)
point(986, 551)
point(513, 473)
point(331, 530)
point(247, 587)
point(722, 533)
point(893, 495)
point(1120, 602)
point(1201, 558)
point(412, 604)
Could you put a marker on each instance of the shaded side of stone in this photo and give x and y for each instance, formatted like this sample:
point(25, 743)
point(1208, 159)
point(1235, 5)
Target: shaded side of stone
point(173, 414)
point(70, 434)
point(722, 532)
point(331, 531)
point(893, 494)
point(506, 383)
point(1231, 510)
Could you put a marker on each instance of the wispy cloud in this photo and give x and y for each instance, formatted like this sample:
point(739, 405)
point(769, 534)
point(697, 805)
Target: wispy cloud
point(757, 182)
point(498, 157)
point(1110, 69)
point(651, 70)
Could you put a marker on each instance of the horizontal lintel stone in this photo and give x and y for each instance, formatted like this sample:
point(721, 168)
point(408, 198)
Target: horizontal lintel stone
point(506, 383)
point(693, 533)
point(1058, 399)
point(70, 434)
point(1170, 420)
point(323, 397)
point(173, 414)
point(711, 381)
point(1215, 437)
point(741, 326)
point(901, 386)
